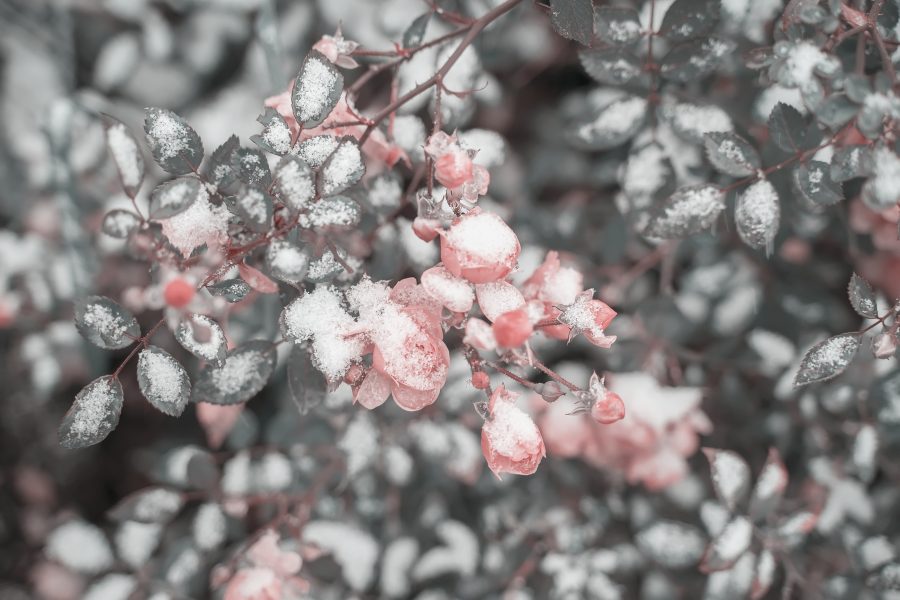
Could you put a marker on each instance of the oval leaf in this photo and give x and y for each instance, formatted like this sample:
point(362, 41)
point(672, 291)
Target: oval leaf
point(127, 155)
point(862, 297)
point(731, 154)
point(573, 19)
point(251, 167)
point(770, 485)
point(617, 25)
point(316, 90)
point(728, 546)
point(173, 197)
point(613, 66)
point(176, 147)
point(757, 214)
point(813, 181)
point(94, 414)
point(233, 290)
point(687, 19)
point(245, 373)
point(276, 135)
point(151, 505)
point(689, 210)
point(254, 207)
point(202, 337)
point(120, 223)
point(307, 385)
point(827, 359)
point(730, 475)
point(163, 381)
point(787, 128)
point(294, 184)
point(694, 60)
point(287, 261)
point(343, 168)
point(105, 323)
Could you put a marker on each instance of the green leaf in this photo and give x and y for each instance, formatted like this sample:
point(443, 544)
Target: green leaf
point(613, 66)
point(828, 358)
point(93, 415)
point(315, 150)
point(176, 147)
point(731, 154)
point(120, 223)
point(688, 19)
point(787, 127)
point(254, 207)
point(245, 373)
point(202, 337)
point(573, 19)
point(276, 135)
point(813, 181)
point(316, 90)
point(251, 167)
point(851, 162)
point(757, 214)
point(294, 184)
point(689, 210)
point(307, 385)
point(612, 124)
point(173, 197)
point(694, 60)
point(617, 25)
point(163, 381)
point(233, 290)
point(335, 212)
point(218, 169)
point(343, 168)
point(414, 34)
point(862, 297)
point(105, 323)
point(126, 154)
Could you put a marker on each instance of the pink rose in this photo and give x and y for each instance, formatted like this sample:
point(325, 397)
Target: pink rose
point(510, 440)
point(513, 328)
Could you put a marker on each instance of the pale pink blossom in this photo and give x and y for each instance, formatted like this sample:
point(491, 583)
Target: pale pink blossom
point(510, 440)
point(337, 50)
point(270, 573)
point(480, 247)
point(455, 169)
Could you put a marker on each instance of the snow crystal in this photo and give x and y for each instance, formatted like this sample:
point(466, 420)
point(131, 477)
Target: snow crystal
point(202, 337)
point(337, 211)
point(486, 237)
point(278, 136)
point(202, 223)
point(325, 267)
point(353, 549)
point(136, 542)
point(498, 297)
point(243, 370)
point(167, 135)
point(80, 546)
point(315, 150)
point(315, 90)
point(209, 526)
point(114, 586)
point(343, 168)
point(320, 316)
point(287, 261)
point(757, 214)
point(163, 381)
point(453, 292)
point(294, 183)
point(107, 322)
point(772, 96)
point(126, 155)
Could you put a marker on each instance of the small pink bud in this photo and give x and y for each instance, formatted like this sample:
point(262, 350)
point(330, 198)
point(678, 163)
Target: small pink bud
point(608, 409)
point(513, 328)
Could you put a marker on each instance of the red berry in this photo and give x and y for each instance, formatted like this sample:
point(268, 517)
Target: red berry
point(179, 293)
point(480, 380)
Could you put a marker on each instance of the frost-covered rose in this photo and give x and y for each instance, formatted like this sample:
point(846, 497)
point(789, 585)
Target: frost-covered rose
point(510, 440)
point(480, 247)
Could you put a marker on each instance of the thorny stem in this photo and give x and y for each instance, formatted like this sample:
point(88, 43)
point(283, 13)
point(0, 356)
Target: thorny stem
point(555, 376)
point(511, 375)
point(474, 29)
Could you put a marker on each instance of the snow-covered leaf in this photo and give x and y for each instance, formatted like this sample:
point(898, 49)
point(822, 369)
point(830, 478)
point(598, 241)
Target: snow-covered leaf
point(202, 337)
point(687, 19)
point(851, 162)
point(136, 542)
point(176, 147)
point(414, 34)
point(119, 223)
point(80, 546)
point(209, 527)
point(573, 19)
point(150, 505)
point(251, 166)
point(127, 155)
point(459, 554)
point(173, 197)
point(163, 381)
point(343, 168)
point(314, 151)
point(294, 184)
point(862, 297)
point(813, 181)
point(770, 485)
point(104, 323)
point(727, 547)
point(219, 169)
point(94, 414)
point(613, 66)
point(763, 575)
point(254, 207)
point(287, 261)
point(693, 121)
point(114, 586)
point(617, 25)
point(316, 90)
point(730, 476)
point(689, 210)
point(787, 128)
point(671, 544)
point(245, 373)
point(731, 154)
point(793, 530)
point(888, 579)
point(335, 212)
point(233, 290)
point(611, 125)
point(695, 59)
point(828, 358)
point(276, 135)
point(326, 266)
point(865, 453)
point(353, 549)
point(757, 214)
